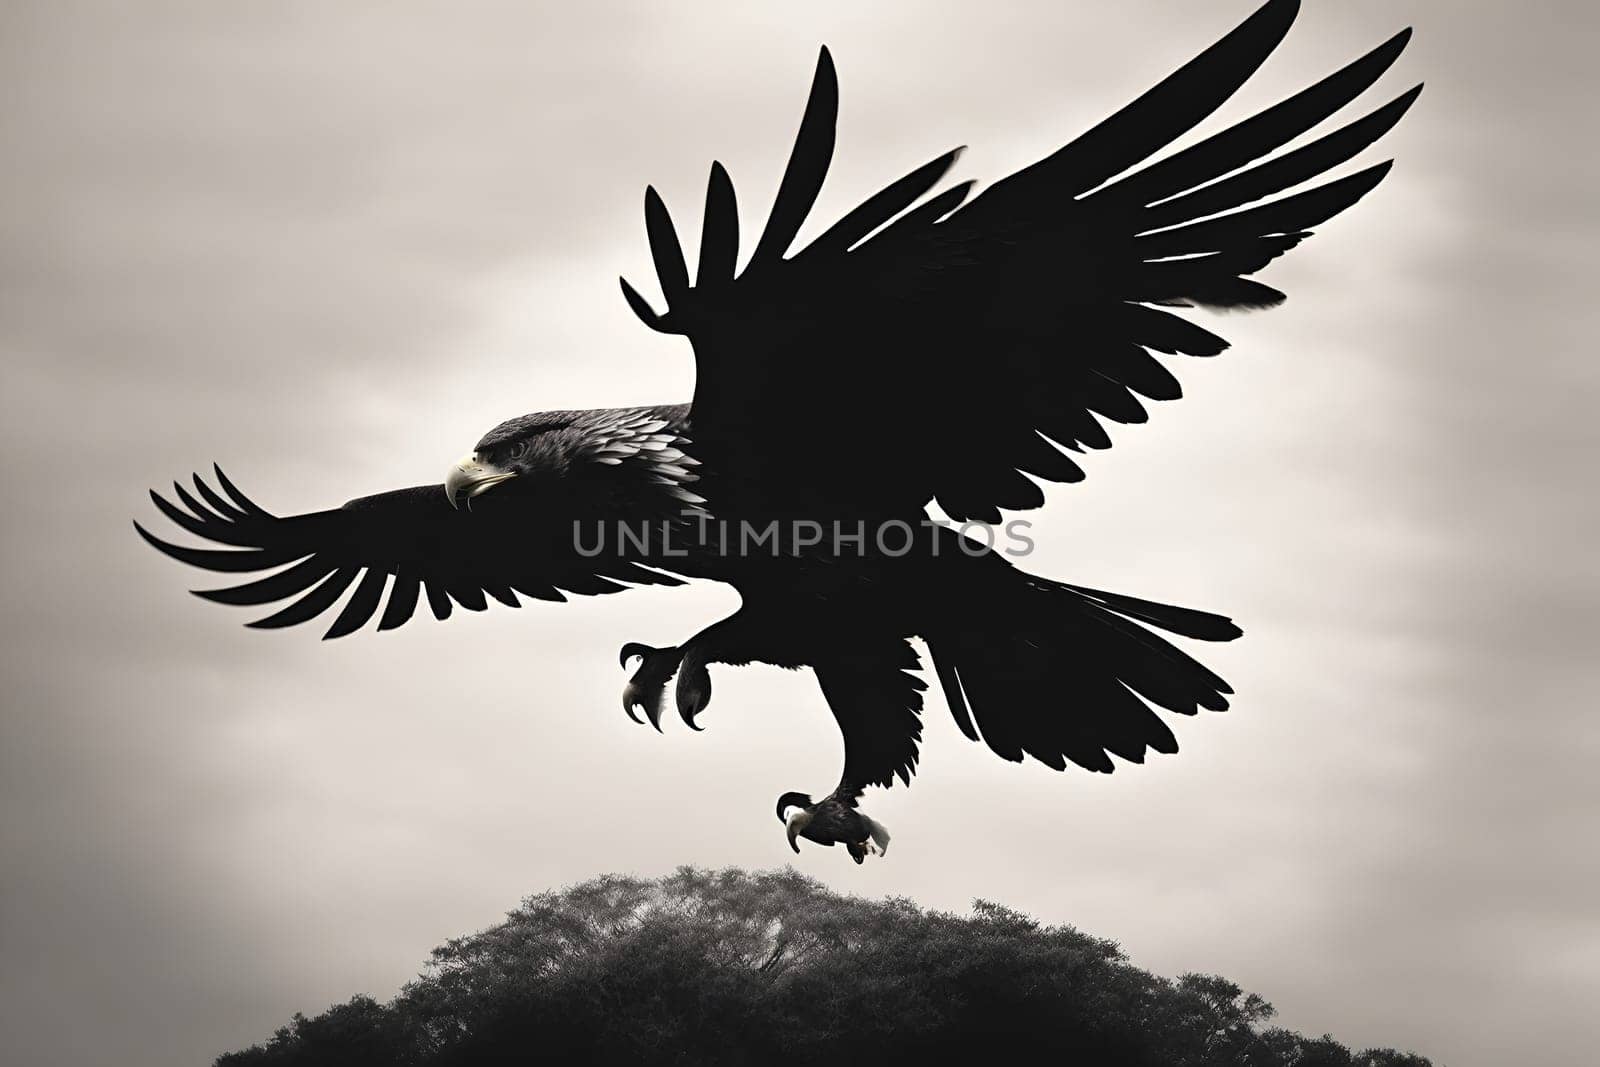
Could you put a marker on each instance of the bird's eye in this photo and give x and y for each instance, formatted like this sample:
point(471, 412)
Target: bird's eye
point(498, 454)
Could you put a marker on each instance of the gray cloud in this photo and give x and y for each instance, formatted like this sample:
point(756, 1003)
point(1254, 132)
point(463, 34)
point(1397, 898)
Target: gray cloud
point(329, 245)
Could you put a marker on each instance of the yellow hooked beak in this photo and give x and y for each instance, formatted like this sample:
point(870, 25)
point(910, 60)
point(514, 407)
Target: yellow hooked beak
point(472, 476)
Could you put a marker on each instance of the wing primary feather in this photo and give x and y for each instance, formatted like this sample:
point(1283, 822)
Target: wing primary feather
point(1203, 278)
point(467, 594)
point(1173, 107)
point(502, 593)
point(1169, 333)
point(719, 232)
point(361, 606)
point(312, 604)
point(1131, 365)
point(1011, 489)
point(1109, 398)
point(1071, 427)
point(1037, 455)
point(882, 206)
point(1258, 135)
point(280, 586)
point(211, 531)
point(438, 599)
point(205, 514)
point(1186, 622)
point(808, 165)
point(1233, 293)
point(642, 575)
point(924, 215)
point(222, 507)
point(665, 249)
point(1298, 212)
point(532, 587)
point(239, 498)
point(952, 695)
point(223, 561)
point(989, 697)
point(1281, 173)
point(402, 601)
point(589, 584)
point(641, 307)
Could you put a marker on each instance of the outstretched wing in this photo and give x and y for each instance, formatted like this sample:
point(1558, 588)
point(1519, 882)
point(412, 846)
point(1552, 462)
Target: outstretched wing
point(394, 548)
point(878, 705)
point(827, 381)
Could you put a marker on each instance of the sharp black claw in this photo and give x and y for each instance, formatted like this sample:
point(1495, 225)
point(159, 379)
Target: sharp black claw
point(634, 696)
point(693, 693)
point(646, 689)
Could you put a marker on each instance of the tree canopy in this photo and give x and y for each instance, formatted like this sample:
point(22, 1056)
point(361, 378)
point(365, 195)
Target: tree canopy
point(735, 967)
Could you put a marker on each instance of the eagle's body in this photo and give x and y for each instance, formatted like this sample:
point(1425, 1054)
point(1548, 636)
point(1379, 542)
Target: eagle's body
point(920, 351)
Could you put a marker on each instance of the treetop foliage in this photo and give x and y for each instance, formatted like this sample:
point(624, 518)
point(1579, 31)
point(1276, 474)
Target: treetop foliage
point(736, 967)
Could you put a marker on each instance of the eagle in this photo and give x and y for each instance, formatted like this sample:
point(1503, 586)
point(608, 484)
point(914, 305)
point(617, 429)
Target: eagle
point(928, 348)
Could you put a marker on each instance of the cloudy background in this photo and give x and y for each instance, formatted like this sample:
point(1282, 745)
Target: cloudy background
point(328, 245)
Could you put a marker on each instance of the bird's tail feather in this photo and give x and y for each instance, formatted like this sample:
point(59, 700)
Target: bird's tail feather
point(1067, 673)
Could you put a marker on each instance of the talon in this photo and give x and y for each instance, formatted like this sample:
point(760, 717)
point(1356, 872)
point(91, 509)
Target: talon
point(693, 694)
point(630, 697)
point(646, 699)
point(646, 690)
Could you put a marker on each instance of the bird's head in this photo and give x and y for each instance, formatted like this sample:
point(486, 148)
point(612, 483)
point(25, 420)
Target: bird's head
point(473, 475)
point(554, 444)
point(514, 449)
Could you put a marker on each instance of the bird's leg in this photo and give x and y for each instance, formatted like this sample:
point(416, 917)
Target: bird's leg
point(647, 688)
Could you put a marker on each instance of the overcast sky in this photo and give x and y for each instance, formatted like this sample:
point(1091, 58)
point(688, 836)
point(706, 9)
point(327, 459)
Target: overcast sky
point(330, 244)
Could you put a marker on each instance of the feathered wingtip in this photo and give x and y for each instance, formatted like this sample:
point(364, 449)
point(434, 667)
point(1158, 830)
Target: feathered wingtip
point(719, 244)
point(220, 523)
point(719, 233)
point(808, 166)
point(641, 307)
point(798, 190)
point(231, 518)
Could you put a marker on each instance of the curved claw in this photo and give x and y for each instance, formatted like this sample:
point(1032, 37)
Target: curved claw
point(632, 649)
point(649, 700)
point(628, 702)
point(646, 689)
point(693, 693)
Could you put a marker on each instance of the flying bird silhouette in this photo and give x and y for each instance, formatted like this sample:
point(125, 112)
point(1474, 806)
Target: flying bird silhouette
point(925, 348)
